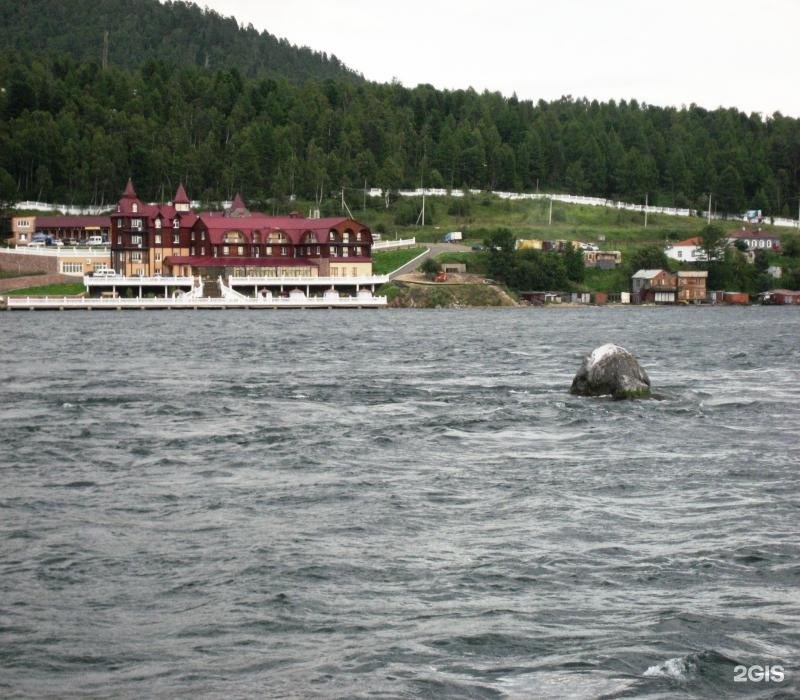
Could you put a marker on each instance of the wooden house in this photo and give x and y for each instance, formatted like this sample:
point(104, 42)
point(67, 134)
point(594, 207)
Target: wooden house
point(654, 286)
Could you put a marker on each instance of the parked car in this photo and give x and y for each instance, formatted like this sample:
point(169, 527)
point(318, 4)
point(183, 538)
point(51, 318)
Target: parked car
point(94, 240)
point(105, 272)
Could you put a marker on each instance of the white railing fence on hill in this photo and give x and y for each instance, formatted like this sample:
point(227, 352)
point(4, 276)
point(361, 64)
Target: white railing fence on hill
point(71, 210)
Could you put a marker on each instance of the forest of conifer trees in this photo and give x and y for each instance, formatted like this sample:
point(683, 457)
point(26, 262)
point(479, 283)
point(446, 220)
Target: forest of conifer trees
point(73, 130)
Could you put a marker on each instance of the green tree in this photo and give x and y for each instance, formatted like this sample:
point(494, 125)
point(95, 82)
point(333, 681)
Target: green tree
point(500, 246)
point(574, 265)
point(650, 257)
point(791, 246)
point(430, 267)
point(712, 242)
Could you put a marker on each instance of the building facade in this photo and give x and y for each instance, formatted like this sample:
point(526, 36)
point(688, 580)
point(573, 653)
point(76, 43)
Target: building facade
point(692, 285)
point(755, 239)
point(70, 230)
point(654, 286)
point(170, 239)
point(687, 251)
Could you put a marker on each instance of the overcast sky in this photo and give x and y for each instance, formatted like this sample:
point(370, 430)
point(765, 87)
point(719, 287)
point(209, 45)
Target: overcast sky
point(710, 52)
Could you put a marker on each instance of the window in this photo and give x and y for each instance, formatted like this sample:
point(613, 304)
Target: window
point(283, 250)
point(71, 268)
point(334, 252)
point(358, 251)
point(255, 253)
point(136, 240)
point(355, 271)
point(136, 256)
point(119, 240)
point(99, 266)
point(318, 250)
point(225, 250)
point(176, 238)
point(158, 257)
point(134, 207)
point(191, 250)
point(136, 224)
point(346, 236)
point(158, 223)
point(176, 222)
point(202, 235)
point(332, 236)
point(358, 236)
point(345, 252)
point(241, 250)
point(192, 237)
point(269, 250)
point(158, 239)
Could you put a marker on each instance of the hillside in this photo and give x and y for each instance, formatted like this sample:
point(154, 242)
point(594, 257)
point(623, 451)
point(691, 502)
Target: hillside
point(140, 31)
point(188, 96)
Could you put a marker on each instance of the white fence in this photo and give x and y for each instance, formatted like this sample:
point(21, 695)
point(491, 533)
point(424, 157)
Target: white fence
point(297, 301)
point(56, 251)
point(394, 245)
point(578, 199)
point(441, 192)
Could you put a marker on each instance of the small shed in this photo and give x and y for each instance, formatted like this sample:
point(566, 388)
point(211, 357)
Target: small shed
point(780, 297)
point(453, 267)
point(739, 298)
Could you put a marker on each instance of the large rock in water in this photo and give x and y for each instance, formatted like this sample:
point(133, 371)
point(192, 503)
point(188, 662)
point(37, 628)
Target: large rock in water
point(612, 370)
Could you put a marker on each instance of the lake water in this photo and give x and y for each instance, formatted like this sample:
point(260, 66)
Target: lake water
point(397, 503)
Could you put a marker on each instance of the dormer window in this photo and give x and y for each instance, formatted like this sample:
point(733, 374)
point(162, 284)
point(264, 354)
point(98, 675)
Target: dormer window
point(158, 223)
point(332, 236)
point(176, 222)
point(134, 207)
point(358, 235)
point(346, 237)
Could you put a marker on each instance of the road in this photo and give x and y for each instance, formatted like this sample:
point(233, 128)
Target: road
point(433, 250)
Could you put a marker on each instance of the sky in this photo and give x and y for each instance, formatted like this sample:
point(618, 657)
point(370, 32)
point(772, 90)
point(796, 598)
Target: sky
point(678, 52)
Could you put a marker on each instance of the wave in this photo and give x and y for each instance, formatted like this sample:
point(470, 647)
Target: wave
point(707, 665)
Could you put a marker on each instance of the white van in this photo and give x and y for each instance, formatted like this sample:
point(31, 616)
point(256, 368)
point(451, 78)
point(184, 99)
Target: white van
point(94, 240)
point(105, 272)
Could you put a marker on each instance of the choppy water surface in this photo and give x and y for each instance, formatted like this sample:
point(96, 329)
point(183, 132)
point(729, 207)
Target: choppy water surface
point(397, 503)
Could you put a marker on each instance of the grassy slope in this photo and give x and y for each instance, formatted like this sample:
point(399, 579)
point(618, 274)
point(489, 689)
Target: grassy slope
point(386, 261)
point(64, 289)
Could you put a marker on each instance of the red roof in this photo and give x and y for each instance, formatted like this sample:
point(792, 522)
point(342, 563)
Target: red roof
point(129, 192)
point(209, 261)
point(757, 235)
point(694, 241)
point(73, 221)
point(294, 227)
point(180, 196)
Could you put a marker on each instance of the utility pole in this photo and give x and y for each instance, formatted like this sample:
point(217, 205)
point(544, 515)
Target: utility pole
point(709, 208)
point(645, 209)
point(550, 217)
point(104, 61)
point(364, 205)
point(423, 206)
